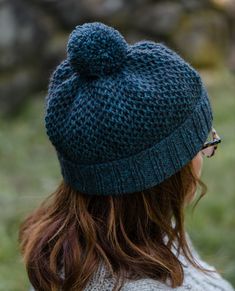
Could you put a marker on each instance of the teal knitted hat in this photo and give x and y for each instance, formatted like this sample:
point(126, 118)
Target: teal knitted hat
point(123, 117)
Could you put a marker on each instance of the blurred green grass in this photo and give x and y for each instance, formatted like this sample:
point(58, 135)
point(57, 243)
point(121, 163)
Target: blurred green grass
point(30, 171)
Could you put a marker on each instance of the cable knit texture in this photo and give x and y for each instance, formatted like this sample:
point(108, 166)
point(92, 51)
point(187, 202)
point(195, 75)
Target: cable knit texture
point(123, 117)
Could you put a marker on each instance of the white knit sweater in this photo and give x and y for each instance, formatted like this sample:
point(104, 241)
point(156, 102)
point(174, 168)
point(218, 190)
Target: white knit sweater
point(194, 280)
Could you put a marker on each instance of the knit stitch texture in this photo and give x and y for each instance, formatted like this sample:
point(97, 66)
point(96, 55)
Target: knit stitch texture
point(123, 117)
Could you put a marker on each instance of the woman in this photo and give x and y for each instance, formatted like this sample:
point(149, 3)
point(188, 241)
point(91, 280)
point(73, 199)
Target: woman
point(129, 124)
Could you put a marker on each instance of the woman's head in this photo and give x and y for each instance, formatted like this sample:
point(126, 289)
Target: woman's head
point(127, 122)
point(123, 118)
point(133, 235)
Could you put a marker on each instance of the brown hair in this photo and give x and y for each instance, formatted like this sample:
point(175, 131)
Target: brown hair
point(127, 233)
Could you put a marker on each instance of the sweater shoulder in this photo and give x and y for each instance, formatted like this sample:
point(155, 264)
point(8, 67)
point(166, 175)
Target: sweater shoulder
point(193, 281)
point(151, 285)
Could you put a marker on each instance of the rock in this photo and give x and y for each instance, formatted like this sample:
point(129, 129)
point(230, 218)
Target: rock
point(69, 13)
point(72, 12)
point(55, 51)
point(158, 19)
point(193, 5)
point(23, 34)
point(202, 38)
point(226, 5)
point(103, 8)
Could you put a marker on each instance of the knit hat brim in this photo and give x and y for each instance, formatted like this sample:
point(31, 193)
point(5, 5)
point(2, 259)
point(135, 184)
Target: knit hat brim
point(147, 168)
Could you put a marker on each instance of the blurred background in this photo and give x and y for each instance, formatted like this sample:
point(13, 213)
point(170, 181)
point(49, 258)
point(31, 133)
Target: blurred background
point(33, 36)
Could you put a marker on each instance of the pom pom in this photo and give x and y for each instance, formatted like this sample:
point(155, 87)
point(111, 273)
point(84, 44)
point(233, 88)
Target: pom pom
point(95, 49)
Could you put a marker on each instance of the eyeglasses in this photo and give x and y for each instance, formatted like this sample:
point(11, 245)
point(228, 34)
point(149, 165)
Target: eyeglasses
point(210, 147)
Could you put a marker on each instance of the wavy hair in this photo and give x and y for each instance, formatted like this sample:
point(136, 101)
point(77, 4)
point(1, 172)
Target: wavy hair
point(65, 239)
